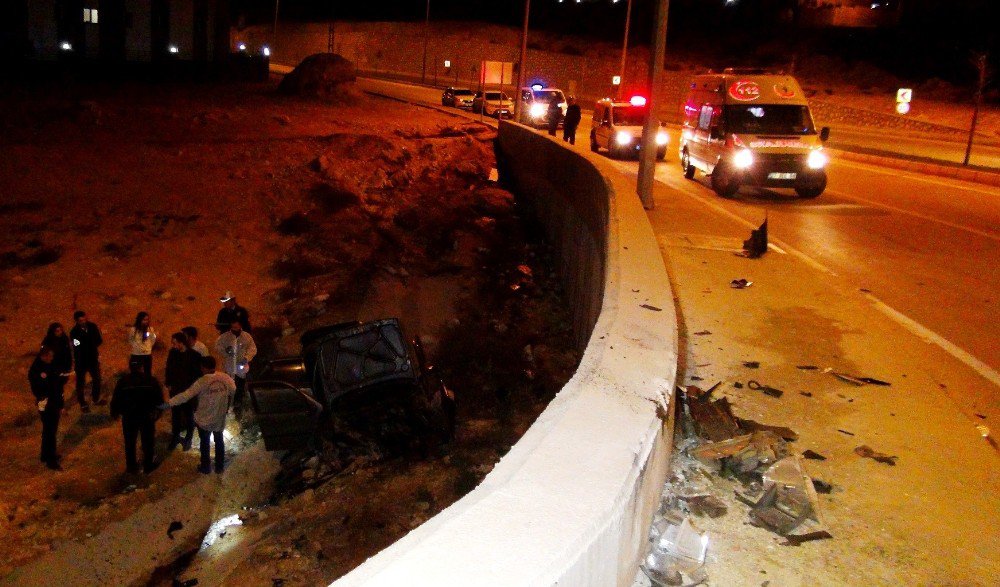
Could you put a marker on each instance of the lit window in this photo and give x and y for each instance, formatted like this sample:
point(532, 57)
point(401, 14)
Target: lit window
point(86, 15)
point(90, 15)
point(93, 16)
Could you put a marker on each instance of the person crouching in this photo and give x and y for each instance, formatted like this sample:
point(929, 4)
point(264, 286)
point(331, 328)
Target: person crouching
point(214, 392)
point(135, 400)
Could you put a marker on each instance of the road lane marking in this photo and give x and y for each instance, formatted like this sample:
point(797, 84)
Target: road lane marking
point(969, 229)
point(932, 337)
point(957, 183)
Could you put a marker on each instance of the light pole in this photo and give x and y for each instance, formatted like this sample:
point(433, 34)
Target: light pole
point(521, 64)
point(647, 163)
point(427, 30)
point(621, 70)
point(980, 63)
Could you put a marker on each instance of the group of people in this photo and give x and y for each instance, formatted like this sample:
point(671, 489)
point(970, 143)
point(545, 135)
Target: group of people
point(198, 391)
point(570, 121)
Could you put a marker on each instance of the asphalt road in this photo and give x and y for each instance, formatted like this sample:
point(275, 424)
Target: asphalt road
point(983, 154)
point(924, 247)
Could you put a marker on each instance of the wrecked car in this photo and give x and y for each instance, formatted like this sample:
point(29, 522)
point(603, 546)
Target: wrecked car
point(352, 379)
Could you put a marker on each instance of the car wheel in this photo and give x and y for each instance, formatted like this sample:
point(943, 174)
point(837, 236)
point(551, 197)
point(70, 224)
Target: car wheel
point(723, 182)
point(686, 165)
point(593, 142)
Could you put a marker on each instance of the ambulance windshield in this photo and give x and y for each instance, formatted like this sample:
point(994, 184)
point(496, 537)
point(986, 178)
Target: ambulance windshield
point(769, 119)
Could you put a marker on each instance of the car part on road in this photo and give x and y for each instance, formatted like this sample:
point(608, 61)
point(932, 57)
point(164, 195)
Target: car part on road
point(755, 246)
point(858, 381)
point(740, 284)
point(679, 548)
point(868, 452)
point(788, 502)
point(751, 364)
point(813, 455)
point(766, 390)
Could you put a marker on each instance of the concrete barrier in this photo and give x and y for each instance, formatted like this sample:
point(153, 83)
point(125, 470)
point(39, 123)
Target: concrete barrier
point(572, 501)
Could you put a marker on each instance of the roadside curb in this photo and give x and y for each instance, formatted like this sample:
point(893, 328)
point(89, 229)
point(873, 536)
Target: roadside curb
point(981, 176)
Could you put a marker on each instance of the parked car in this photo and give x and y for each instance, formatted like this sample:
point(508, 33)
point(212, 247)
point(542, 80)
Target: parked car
point(617, 127)
point(535, 105)
point(363, 377)
point(458, 98)
point(493, 103)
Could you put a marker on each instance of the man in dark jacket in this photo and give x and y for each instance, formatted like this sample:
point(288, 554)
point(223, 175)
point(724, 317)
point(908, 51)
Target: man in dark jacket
point(86, 338)
point(43, 375)
point(183, 369)
point(554, 115)
point(135, 399)
point(572, 121)
point(231, 312)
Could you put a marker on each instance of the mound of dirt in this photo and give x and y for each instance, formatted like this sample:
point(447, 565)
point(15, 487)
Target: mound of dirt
point(324, 75)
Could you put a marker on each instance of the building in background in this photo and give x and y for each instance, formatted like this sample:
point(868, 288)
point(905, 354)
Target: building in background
point(118, 30)
point(849, 13)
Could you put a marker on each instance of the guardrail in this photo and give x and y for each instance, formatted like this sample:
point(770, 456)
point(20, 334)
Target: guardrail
point(572, 501)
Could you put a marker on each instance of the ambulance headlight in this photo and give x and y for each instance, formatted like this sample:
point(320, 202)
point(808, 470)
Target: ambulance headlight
point(817, 160)
point(623, 137)
point(661, 138)
point(537, 110)
point(743, 159)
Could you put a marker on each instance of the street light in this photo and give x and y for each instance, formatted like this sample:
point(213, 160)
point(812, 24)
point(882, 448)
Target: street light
point(621, 70)
point(522, 63)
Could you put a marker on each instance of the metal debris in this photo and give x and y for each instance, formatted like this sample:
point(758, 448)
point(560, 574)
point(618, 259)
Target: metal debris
point(811, 454)
point(789, 500)
point(807, 367)
point(855, 380)
point(703, 333)
point(798, 540)
point(751, 364)
point(653, 308)
point(784, 432)
point(867, 452)
point(822, 486)
point(765, 389)
point(706, 505)
point(740, 284)
point(845, 432)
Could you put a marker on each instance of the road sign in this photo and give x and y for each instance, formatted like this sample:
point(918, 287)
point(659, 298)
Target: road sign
point(903, 107)
point(447, 64)
point(904, 95)
point(616, 80)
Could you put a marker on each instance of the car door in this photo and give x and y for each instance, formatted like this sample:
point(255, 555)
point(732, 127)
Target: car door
point(288, 416)
point(699, 147)
point(603, 132)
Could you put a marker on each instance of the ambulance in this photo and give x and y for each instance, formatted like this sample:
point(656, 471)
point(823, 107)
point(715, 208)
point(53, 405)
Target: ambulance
point(749, 127)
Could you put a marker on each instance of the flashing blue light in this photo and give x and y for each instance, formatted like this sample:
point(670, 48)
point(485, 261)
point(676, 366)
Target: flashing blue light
point(537, 87)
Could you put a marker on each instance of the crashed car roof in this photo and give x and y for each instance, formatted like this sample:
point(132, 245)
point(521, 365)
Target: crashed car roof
point(360, 355)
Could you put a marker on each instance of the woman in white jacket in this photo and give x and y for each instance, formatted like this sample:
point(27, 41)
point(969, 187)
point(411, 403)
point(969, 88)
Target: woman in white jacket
point(141, 338)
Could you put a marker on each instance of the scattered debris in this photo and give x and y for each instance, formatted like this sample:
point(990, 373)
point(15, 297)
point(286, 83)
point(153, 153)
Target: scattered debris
point(703, 333)
point(811, 454)
point(782, 431)
point(845, 432)
point(867, 452)
point(755, 246)
point(801, 538)
point(721, 449)
point(653, 308)
point(822, 486)
point(807, 367)
point(740, 284)
point(737, 385)
point(678, 548)
point(806, 393)
point(174, 527)
point(751, 364)
point(859, 381)
point(714, 420)
point(706, 505)
point(788, 501)
point(766, 390)
point(847, 378)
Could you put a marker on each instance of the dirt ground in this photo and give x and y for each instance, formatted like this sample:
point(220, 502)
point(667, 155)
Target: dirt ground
point(119, 198)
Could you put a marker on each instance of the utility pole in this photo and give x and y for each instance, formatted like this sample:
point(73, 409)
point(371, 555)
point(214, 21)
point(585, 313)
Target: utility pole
point(274, 31)
point(621, 70)
point(522, 63)
point(331, 45)
point(980, 62)
point(427, 32)
point(647, 162)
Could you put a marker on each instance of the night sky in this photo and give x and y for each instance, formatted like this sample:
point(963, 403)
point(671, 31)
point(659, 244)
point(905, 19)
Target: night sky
point(935, 37)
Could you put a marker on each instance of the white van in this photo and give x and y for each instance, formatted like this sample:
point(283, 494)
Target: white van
point(747, 127)
point(617, 127)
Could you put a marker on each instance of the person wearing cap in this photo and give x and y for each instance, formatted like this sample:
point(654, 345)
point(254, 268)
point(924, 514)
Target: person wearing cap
point(231, 312)
point(43, 376)
point(135, 400)
point(214, 392)
point(237, 349)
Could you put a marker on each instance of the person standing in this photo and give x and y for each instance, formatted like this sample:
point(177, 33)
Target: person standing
point(196, 345)
point(43, 376)
point(56, 339)
point(572, 121)
point(86, 338)
point(141, 338)
point(135, 399)
point(231, 312)
point(237, 349)
point(183, 369)
point(554, 115)
point(214, 392)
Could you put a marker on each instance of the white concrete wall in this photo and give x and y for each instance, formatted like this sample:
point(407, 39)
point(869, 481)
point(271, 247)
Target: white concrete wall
point(570, 504)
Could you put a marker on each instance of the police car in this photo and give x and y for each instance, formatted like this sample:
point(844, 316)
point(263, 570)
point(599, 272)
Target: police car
point(535, 105)
point(617, 127)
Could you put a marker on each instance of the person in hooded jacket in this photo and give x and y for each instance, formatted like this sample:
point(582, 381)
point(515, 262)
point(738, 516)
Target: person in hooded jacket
point(57, 340)
point(136, 399)
point(214, 392)
point(183, 369)
point(43, 376)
